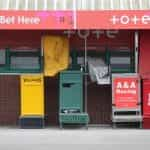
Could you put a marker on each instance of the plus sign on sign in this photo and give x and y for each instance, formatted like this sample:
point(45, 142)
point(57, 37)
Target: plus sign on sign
point(125, 19)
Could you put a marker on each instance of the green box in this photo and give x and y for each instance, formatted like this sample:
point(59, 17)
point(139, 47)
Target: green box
point(71, 98)
point(71, 90)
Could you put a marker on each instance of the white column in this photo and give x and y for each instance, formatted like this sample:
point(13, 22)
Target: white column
point(17, 5)
point(26, 4)
point(45, 4)
point(102, 4)
point(92, 4)
point(55, 4)
point(7, 4)
point(140, 4)
point(131, 4)
point(149, 4)
point(83, 4)
point(121, 4)
point(35, 4)
point(75, 14)
point(64, 4)
point(111, 4)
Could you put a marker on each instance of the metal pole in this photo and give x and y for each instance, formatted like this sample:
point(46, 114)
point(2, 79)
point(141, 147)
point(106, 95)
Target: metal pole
point(42, 46)
point(136, 47)
point(85, 53)
point(85, 66)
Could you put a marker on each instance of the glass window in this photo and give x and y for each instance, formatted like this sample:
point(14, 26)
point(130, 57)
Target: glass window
point(2, 57)
point(20, 61)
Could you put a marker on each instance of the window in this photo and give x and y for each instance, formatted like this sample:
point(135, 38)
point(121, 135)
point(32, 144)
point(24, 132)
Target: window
point(20, 61)
point(2, 58)
point(121, 61)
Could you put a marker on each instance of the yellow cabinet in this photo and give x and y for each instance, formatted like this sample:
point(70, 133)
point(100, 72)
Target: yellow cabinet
point(32, 95)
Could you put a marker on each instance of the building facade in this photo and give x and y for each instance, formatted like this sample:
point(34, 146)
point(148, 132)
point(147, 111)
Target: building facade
point(59, 61)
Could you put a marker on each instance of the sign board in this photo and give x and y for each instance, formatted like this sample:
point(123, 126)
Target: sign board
point(36, 20)
point(125, 91)
point(106, 19)
point(146, 97)
point(113, 19)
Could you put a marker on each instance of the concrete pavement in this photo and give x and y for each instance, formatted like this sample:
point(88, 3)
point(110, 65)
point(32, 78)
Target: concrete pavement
point(93, 138)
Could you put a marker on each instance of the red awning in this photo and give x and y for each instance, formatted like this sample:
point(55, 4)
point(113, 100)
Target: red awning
point(50, 20)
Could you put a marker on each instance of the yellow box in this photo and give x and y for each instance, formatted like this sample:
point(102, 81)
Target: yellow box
point(32, 95)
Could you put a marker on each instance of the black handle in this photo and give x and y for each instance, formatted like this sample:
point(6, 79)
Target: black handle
point(67, 85)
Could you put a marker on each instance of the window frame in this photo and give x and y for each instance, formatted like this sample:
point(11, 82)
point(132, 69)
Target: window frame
point(6, 68)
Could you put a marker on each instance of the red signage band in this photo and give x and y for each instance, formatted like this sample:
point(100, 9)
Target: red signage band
point(126, 92)
point(36, 20)
point(112, 19)
point(123, 19)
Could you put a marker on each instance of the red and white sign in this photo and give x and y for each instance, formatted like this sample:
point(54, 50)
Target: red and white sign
point(146, 98)
point(36, 20)
point(107, 19)
point(125, 92)
point(114, 19)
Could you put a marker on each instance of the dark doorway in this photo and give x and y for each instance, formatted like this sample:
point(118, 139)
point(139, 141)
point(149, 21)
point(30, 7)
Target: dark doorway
point(99, 103)
point(51, 101)
point(9, 99)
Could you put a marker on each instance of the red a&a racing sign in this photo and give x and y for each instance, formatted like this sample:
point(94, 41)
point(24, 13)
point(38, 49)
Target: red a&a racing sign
point(125, 92)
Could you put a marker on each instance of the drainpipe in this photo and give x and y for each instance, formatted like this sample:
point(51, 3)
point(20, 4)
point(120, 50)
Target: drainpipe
point(85, 67)
point(136, 50)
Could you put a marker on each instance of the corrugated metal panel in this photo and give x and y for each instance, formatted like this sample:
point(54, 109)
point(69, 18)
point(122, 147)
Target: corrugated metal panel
point(79, 4)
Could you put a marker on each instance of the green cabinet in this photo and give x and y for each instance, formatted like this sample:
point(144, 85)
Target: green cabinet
point(71, 91)
point(71, 98)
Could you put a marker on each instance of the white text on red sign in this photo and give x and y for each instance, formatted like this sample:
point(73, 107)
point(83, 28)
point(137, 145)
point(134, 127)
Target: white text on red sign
point(126, 87)
point(125, 19)
point(19, 20)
